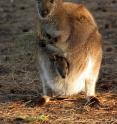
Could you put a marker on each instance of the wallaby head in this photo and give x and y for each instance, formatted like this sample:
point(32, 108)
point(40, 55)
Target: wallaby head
point(46, 7)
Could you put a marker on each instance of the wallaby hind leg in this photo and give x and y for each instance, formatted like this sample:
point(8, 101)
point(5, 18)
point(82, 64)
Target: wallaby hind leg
point(90, 84)
point(45, 77)
point(46, 93)
point(46, 96)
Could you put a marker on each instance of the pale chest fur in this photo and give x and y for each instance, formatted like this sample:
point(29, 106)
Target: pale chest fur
point(73, 84)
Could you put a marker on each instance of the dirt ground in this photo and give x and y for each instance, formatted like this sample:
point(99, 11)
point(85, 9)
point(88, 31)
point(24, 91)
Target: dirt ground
point(18, 73)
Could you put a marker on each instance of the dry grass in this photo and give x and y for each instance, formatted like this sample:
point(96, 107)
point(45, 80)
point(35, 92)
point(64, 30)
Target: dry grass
point(65, 112)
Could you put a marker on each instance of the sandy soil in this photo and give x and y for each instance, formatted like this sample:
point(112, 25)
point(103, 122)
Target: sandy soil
point(18, 73)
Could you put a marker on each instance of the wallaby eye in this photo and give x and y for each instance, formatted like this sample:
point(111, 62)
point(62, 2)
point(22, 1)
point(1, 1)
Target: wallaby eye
point(51, 1)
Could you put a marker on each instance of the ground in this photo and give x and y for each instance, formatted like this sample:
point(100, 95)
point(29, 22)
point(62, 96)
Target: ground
point(19, 80)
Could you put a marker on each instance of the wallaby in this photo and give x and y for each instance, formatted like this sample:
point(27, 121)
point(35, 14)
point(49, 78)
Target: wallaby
point(74, 33)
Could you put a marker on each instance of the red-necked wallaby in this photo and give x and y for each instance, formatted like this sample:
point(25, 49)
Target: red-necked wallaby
point(75, 37)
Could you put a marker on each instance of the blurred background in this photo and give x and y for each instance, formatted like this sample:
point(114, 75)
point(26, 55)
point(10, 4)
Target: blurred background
point(18, 72)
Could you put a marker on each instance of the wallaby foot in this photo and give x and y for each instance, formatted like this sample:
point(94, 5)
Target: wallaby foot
point(45, 99)
point(93, 102)
point(38, 101)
